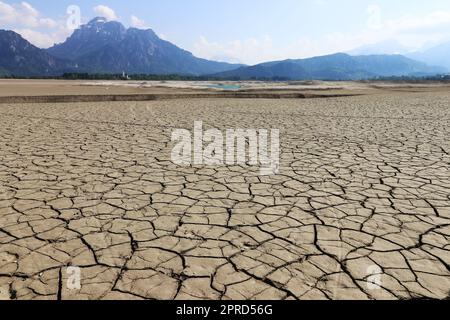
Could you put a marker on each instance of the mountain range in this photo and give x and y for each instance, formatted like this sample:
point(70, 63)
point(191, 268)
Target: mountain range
point(107, 47)
point(102, 46)
point(339, 66)
point(384, 47)
point(21, 58)
point(438, 55)
point(435, 55)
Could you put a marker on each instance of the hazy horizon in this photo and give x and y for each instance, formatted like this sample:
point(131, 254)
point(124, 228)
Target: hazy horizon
point(248, 31)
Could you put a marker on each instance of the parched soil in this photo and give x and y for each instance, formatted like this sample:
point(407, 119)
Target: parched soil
point(363, 195)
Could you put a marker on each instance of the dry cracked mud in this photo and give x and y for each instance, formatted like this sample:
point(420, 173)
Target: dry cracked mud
point(363, 192)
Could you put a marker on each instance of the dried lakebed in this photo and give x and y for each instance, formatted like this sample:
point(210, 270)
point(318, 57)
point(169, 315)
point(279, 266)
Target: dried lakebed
point(364, 185)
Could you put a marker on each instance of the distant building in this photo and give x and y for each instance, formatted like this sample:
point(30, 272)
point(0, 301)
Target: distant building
point(125, 76)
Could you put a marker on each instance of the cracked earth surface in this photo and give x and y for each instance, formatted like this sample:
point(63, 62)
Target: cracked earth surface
point(364, 184)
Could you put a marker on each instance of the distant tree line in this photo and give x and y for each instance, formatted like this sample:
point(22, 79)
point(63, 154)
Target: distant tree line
point(146, 77)
point(435, 78)
point(176, 77)
point(137, 77)
point(107, 76)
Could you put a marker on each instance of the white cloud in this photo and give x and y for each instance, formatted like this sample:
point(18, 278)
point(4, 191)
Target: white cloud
point(23, 14)
point(415, 23)
point(406, 23)
point(137, 23)
point(28, 8)
point(105, 12)
point(26, 20)
point(251, 50)
point(6, 12)
point(256, 50)
point(411, 31)
point(43, 39)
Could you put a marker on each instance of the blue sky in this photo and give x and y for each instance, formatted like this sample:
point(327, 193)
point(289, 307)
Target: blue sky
point(248, 31)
